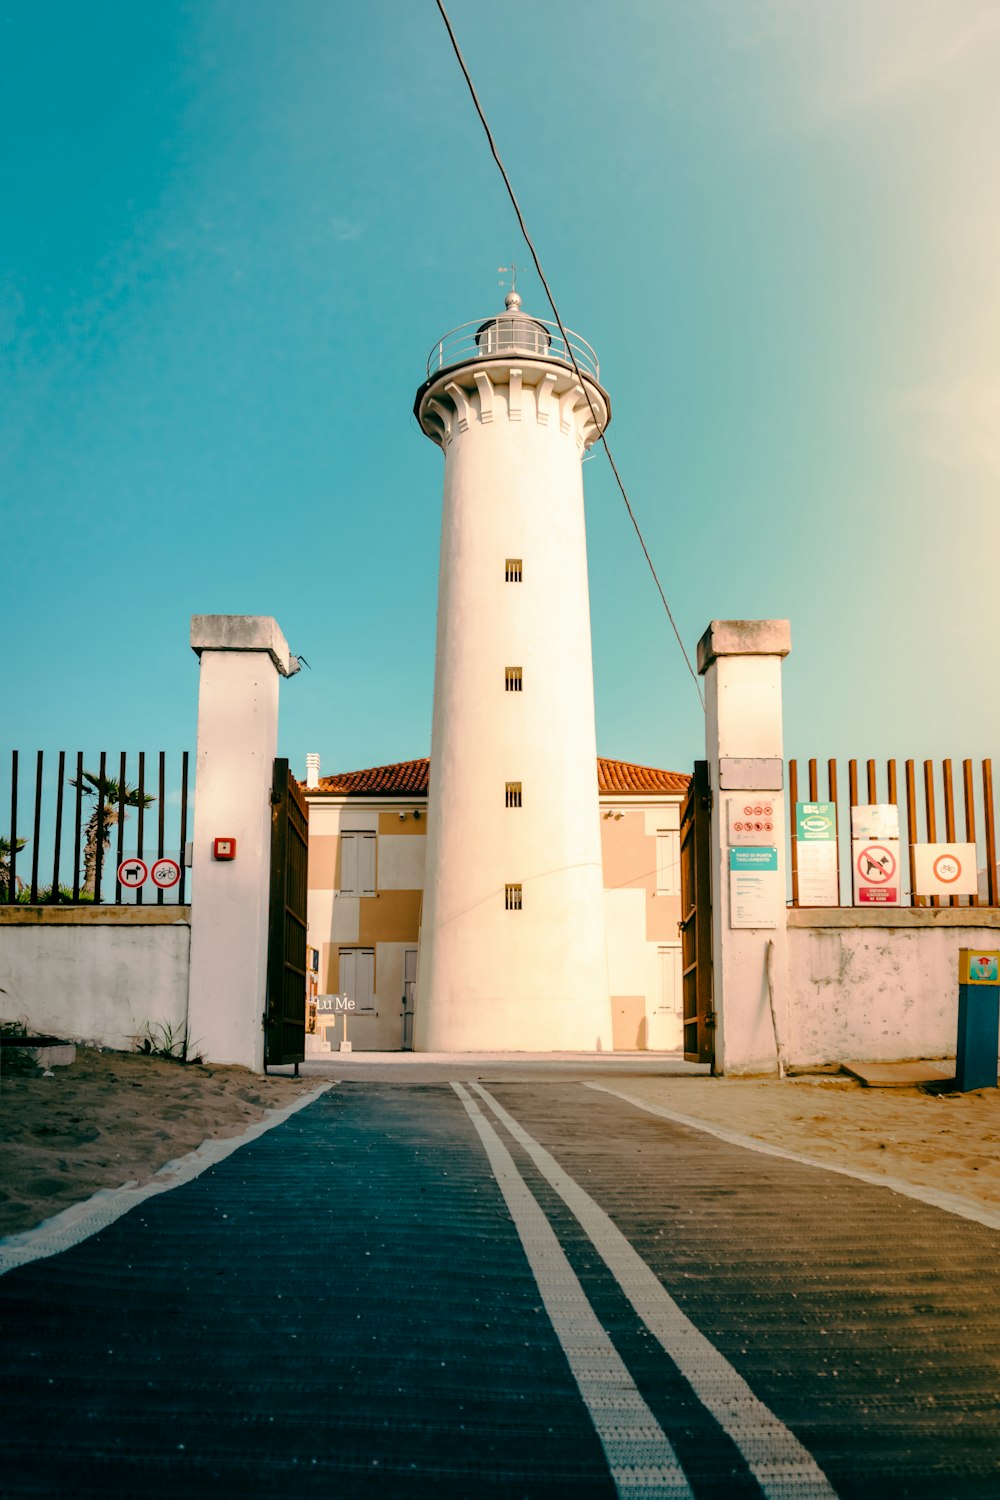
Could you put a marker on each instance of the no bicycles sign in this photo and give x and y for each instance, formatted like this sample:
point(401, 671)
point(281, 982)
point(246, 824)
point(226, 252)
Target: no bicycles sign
point(163, 873)
point(945, 869)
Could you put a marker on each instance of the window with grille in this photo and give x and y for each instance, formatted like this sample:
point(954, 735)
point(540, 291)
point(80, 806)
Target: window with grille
point(513, 793)
point(512, 897)
point(512, 679)
point(513, 570)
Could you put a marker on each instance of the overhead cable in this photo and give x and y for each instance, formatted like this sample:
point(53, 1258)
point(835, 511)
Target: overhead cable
point(566, 343)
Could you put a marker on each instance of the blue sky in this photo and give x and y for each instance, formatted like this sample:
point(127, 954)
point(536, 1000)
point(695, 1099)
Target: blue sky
point(234, 228)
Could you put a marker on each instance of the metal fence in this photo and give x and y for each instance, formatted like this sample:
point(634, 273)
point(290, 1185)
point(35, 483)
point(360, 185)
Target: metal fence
point(75, 821)
point(931, 815)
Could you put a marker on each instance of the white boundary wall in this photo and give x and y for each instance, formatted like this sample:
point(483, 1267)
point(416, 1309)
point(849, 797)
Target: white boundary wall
point(99, 975)
point(103, 973)
point(848, 984)
point(878, 986)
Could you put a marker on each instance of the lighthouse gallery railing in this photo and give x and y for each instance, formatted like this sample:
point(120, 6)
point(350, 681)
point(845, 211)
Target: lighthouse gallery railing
point(504, 334)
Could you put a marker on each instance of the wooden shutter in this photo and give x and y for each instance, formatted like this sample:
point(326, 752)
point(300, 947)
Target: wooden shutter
point(366, 864)
point(349, 864)
point(365, 996)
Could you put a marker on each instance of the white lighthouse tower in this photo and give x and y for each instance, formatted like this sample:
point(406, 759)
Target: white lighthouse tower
point(512, 943)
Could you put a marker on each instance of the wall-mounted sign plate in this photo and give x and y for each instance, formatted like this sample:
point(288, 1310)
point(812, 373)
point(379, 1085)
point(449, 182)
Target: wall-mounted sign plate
point(877, 820)
point(750, 820)
point(750, 773)
point(753, 878)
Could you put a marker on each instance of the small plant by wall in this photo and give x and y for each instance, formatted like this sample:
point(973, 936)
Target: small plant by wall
point(160, 1039)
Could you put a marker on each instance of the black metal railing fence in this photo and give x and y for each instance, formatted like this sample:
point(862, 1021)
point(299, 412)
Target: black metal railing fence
point(71, 828)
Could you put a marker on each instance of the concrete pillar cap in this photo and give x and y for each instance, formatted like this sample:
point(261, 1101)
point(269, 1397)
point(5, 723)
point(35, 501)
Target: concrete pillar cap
point(242, 633)
point(743, 638)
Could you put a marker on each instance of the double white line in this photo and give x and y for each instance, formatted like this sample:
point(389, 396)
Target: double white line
point(639, 1453)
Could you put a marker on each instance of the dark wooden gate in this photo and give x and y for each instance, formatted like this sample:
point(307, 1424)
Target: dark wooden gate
point(285, 1017)
point(696, 919)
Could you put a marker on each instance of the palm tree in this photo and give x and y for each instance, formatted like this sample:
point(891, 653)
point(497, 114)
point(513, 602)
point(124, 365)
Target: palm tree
point(5, 864)
point(111, 797)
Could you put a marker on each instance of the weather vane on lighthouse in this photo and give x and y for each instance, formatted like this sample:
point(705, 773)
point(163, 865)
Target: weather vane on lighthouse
point(510, 271)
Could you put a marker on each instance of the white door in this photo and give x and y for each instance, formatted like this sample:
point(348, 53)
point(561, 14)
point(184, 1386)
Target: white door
point(663, 1008)
point(409, 988)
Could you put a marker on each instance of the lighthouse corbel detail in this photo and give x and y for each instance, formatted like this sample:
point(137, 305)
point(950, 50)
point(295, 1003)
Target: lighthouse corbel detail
point(512, 945)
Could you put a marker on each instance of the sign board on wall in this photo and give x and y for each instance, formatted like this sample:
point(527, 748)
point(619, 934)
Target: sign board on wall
point(976, 966)
point(945, 870)
point(751, 773)
point(751, 820)
point(876, 821)
point(877, 879)
point(816, 850)
point(753, 880)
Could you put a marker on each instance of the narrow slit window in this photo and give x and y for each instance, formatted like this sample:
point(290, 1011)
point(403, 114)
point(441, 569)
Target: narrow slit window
point(513, 793)
point(512, 679)
point(512, 897)
point(513, 571)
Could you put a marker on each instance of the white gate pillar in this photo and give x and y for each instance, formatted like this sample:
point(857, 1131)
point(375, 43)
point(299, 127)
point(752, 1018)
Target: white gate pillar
point(741, 663)
point(242, 657)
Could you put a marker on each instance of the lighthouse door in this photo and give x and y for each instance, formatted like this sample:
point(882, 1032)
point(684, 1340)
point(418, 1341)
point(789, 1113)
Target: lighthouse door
point(696, 919)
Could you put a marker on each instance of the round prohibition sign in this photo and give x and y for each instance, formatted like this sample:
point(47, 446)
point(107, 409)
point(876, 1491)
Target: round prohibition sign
point(165, 873)
point(132, 873)
point(946, 868)
point(876, 864)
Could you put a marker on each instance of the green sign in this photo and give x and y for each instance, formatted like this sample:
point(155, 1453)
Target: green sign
point(742, 861)
point(816, 822)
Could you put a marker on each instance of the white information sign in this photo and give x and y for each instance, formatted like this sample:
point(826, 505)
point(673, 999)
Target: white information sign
point(753, 875)
point(945, 870)
point(751, 820)
point(818, 876)
point(816, 853)
point(877, 880)
point(875, 821)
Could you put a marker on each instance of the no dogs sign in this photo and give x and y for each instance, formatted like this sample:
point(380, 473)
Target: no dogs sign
point(876, 872)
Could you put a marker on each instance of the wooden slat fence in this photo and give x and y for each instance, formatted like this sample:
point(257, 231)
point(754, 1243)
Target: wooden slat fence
point(929, 812)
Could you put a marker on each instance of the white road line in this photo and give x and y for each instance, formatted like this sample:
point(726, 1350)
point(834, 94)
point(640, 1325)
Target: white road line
point(639, 1453)
point(81, 1220)
point(952, 1203)
point(783, 1468)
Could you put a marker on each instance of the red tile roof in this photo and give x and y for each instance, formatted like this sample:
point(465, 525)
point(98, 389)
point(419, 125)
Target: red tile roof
point(410, 777)
point(404, 777)
point(623, 776)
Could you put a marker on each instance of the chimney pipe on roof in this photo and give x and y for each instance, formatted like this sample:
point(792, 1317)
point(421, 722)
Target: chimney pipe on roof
point(312, 771)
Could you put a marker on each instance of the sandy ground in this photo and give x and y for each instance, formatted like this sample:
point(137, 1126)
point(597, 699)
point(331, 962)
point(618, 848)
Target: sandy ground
point(939, 1140)
point(115, 1117)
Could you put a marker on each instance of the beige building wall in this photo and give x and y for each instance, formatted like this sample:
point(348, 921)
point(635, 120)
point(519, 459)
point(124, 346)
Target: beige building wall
point(642, 909)
point(384, 924)
point(641, 856)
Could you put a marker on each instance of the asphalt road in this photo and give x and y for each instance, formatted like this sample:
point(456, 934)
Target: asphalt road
point(506, 1289)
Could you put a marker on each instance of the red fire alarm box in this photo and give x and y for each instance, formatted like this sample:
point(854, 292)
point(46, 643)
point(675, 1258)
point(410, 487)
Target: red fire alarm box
point(224, 848)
